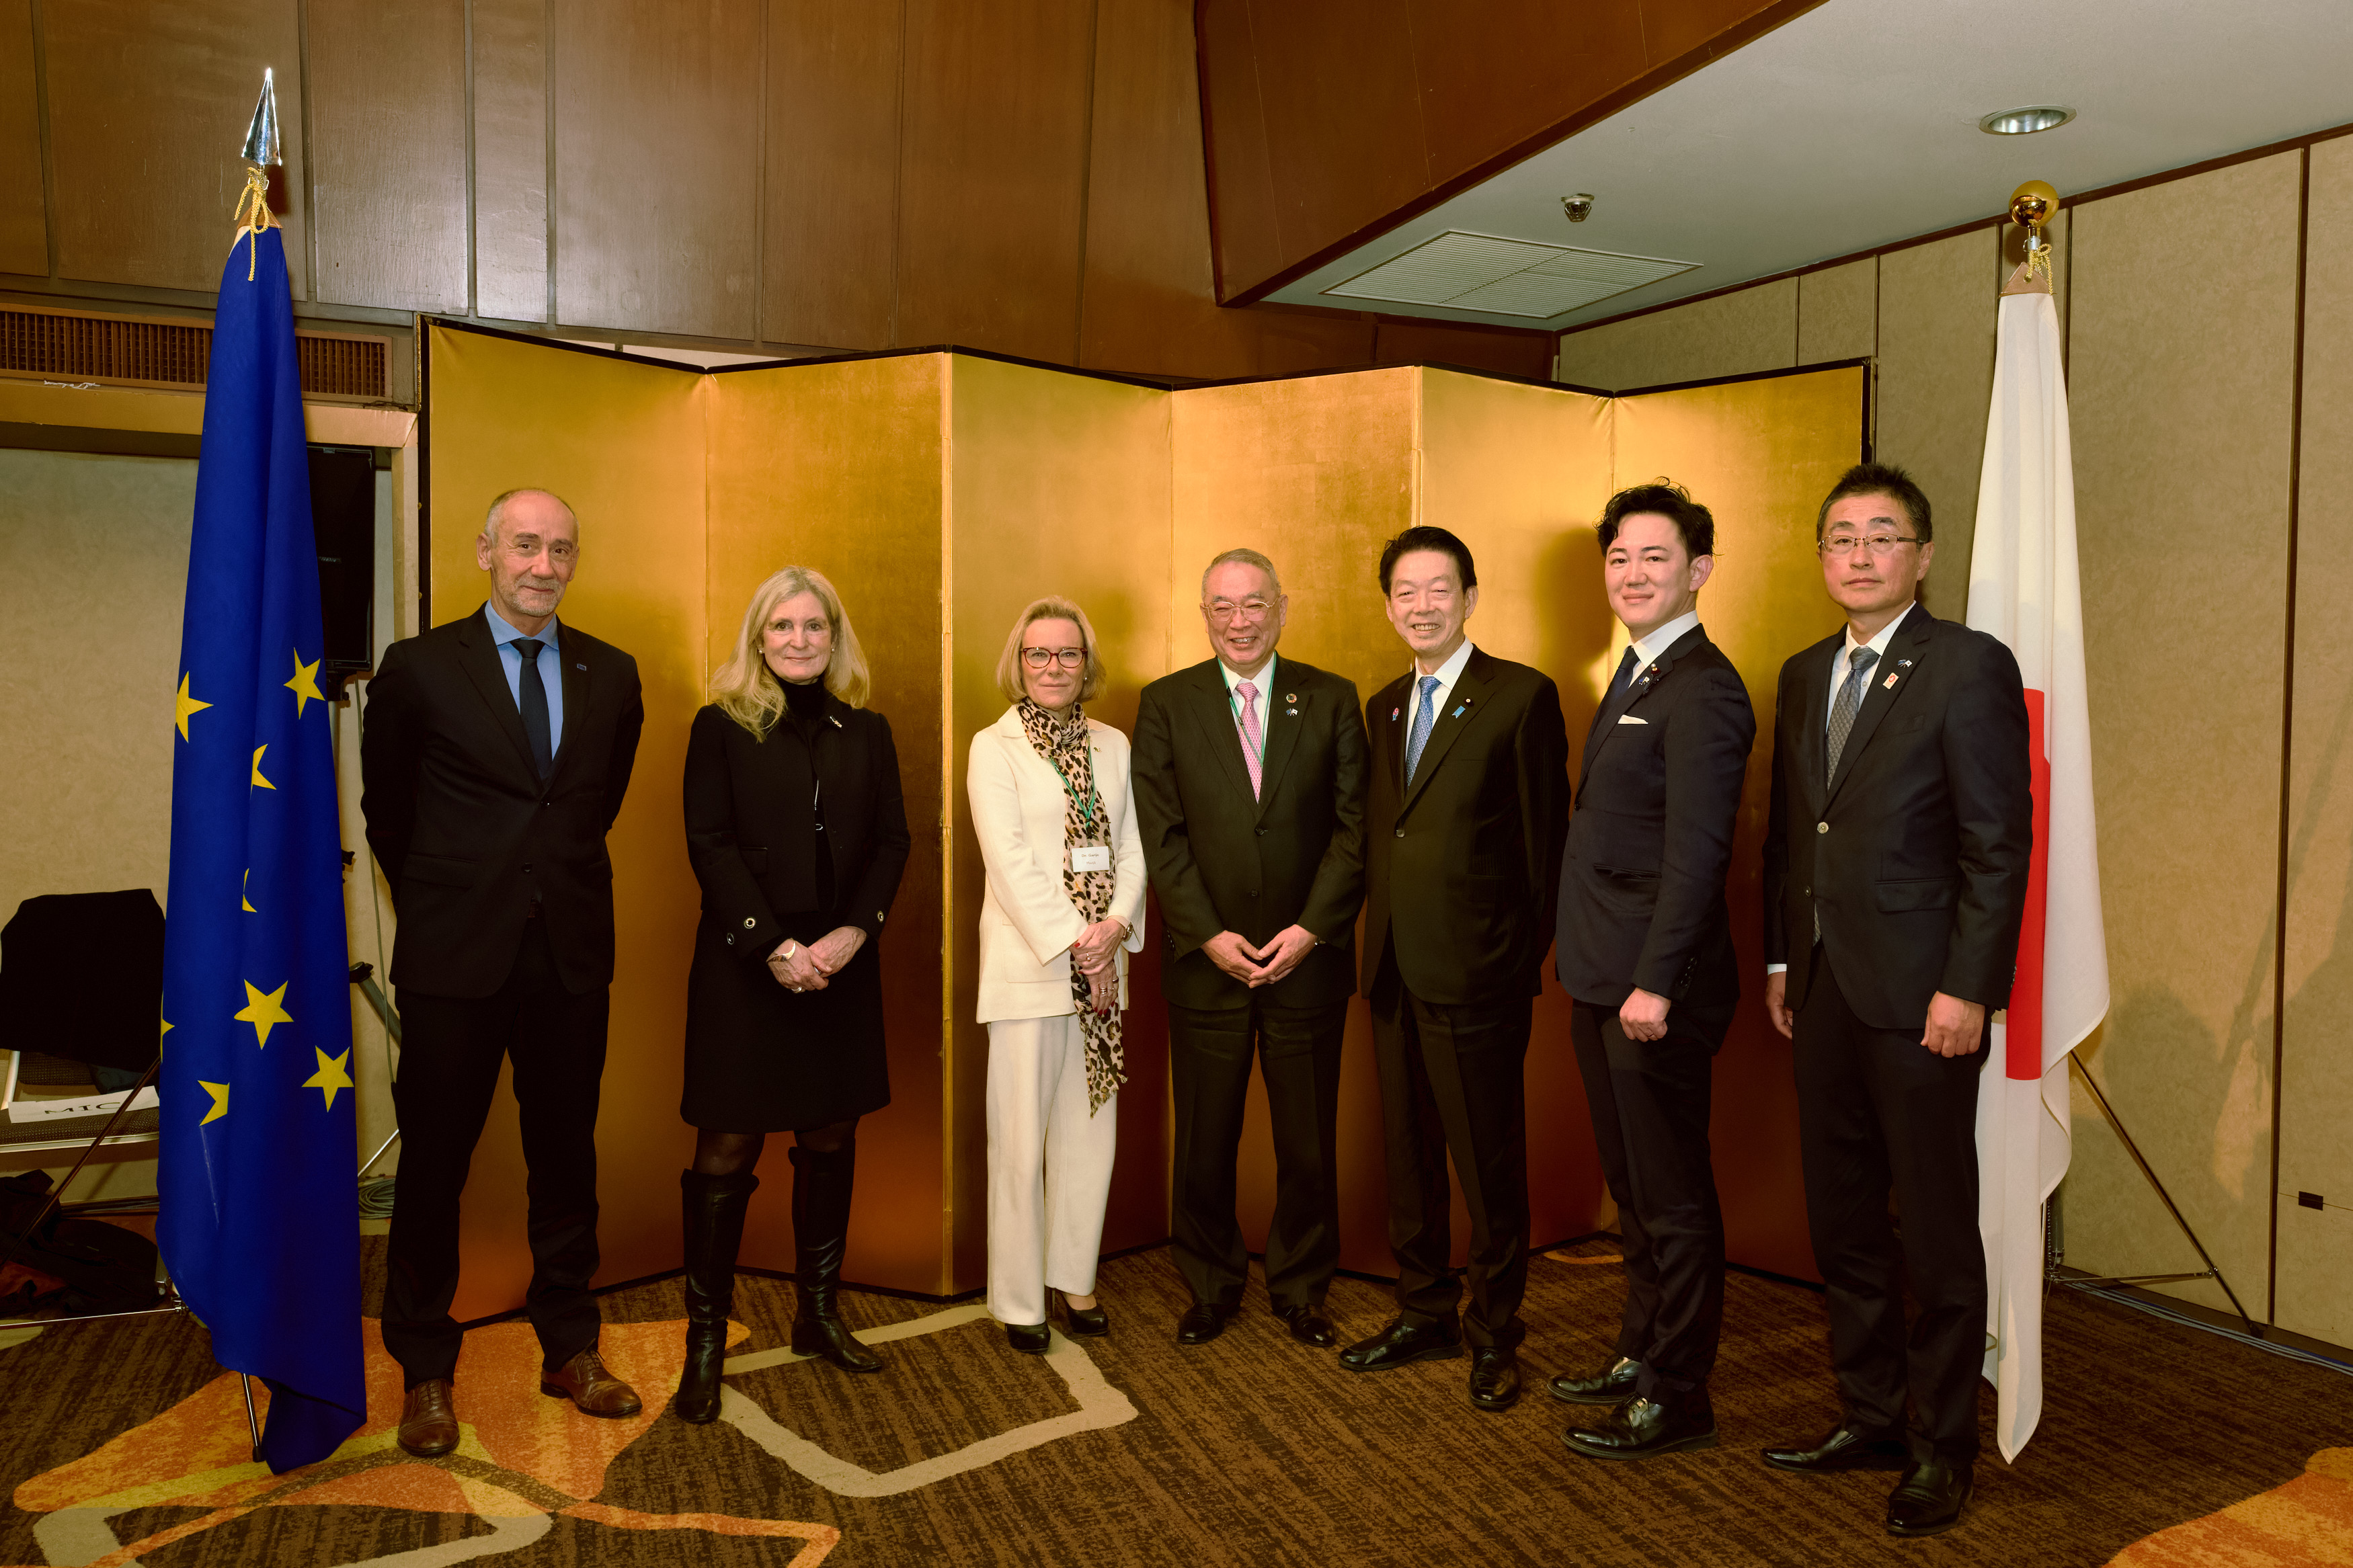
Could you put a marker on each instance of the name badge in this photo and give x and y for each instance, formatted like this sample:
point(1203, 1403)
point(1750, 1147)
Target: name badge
point(1090, 858)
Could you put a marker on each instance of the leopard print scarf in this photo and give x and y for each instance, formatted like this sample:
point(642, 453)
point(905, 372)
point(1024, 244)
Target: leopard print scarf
point(1063, 742)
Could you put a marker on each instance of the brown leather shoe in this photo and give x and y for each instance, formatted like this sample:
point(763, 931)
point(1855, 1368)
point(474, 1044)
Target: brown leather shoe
point(428, 1424)
point(586, 1381)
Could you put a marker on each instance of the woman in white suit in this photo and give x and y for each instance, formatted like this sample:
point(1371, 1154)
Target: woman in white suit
point(1065, 907)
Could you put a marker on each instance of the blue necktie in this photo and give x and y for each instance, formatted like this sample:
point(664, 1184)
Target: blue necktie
point(1423, 717)
point(533, 703)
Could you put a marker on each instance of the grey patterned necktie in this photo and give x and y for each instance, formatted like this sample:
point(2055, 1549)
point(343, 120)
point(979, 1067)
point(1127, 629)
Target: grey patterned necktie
point(1849, 701)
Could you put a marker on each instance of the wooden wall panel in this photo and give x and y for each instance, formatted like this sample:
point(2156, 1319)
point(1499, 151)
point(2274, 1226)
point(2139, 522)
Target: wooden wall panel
point(24, 217)
point(830, 266)
point(1524, 354)
point(148, 108)
point(510, 69)
point(1248, 233)
point(2314, 1293)
point(2181, 401)
point(388, 171)
point(993, 177)
point(1476, 98)
point(657, 166)
point(1344, 121)
point(1147, 295)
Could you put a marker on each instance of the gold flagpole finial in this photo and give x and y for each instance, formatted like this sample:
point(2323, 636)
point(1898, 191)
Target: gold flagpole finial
point(260, 154)
point(2031, 206)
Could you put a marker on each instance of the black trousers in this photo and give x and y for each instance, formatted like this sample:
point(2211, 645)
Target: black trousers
point(1649, 1100)
point(451, 1052)
point(1209, 1055)
point(1877, 1109)
point(1453, 1082)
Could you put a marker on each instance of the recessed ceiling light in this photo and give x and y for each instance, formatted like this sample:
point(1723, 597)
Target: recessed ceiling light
point(2025, 121)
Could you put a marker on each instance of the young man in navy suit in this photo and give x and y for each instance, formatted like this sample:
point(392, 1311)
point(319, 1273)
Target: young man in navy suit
point(1645, 953)
point(1895, 871)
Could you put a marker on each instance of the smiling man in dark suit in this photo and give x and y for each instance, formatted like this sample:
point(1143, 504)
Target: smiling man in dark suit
point(1896, 869)
point(1250, 790)
point(496, 751)
point(1645, 952)
point(1463, 824)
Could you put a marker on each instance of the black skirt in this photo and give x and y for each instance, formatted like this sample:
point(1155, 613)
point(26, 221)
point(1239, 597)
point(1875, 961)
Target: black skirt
point(760, 1058)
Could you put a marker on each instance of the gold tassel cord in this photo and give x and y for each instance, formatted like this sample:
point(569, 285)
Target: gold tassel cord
point(2038, 260)
point(253, 215)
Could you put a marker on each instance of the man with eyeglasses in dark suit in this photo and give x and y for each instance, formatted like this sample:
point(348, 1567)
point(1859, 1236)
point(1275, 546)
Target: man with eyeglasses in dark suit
point(1895, 873)
point(1249, 774)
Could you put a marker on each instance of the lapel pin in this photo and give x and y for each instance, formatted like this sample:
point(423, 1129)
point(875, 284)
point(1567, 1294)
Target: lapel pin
point(1457, 711)
point(1393, 714)
point(1291, 697)
point(837, 723)
point(581, 668)
point(1904, 664)
point(1890, 683)
point(1293, 711)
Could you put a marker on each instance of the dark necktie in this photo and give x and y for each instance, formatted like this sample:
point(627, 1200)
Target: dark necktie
point(1849, 701)
point(1618, 682)
point(533, 703)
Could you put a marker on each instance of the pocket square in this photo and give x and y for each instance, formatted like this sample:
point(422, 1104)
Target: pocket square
point(1629, 718)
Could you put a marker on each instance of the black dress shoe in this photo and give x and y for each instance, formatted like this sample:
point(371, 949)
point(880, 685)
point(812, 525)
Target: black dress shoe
point(1202, 1321)
point(1086, 1323)
point(1030, 1337)
point(1846, 1449)
point(1930, 1500)
point(1640, 1427)
point(1401, 1342)
point(1494, 1377)
point(1613, 1384)
point(1309, 1326)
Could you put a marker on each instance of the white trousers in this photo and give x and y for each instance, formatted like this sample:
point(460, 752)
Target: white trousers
point(1049, 1166)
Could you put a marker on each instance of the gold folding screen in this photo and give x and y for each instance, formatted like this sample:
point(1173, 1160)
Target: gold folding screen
point(942, 492)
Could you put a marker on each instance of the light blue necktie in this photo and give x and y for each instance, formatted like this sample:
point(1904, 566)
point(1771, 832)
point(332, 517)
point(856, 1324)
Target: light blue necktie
point(1423, 717)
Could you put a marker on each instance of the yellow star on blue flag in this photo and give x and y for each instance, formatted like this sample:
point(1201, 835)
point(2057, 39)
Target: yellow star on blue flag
point(262, 1011)
point(305, 685)
point(183, 706)
point(331, 1075)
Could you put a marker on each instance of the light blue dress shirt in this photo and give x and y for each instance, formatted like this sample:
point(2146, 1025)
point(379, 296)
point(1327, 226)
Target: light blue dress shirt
point(551, 671)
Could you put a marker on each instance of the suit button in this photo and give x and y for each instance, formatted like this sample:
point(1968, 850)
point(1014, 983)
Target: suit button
point(1259, 831)
point(750, 922)
point(526, 870)
point(1253, 892)
point(1400, 833)
point(1821, 827)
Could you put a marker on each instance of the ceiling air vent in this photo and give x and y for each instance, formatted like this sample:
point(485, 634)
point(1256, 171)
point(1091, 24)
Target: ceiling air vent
point(1504, 276)
point(132, 351)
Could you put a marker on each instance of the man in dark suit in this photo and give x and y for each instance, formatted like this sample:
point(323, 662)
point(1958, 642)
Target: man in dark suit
point(494, 757)
point(1896, 869)
point(1645, 953)
point(1463, 824)
point(1249, 790)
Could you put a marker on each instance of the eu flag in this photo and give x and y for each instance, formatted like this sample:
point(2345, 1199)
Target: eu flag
point(260, 1213)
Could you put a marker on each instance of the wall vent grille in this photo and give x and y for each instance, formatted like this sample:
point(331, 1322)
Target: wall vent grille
point(130, 351)
point(1504, 276)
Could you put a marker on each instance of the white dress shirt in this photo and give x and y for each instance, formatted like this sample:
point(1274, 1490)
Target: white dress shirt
point(1840, 668)
point(1261, 683)
point(1447, 674)
point(1647, 648)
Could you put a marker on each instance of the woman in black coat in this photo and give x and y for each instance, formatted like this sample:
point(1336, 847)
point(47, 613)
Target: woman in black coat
point(799, 835)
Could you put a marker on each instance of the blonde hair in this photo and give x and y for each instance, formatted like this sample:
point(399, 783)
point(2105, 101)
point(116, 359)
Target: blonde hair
point(1053, 607)
point(746, 690)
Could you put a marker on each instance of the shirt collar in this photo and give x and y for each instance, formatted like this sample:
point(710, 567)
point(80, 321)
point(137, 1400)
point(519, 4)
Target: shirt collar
point(502, 634)
point(1447, 673)
point(1261, 680)
point(1648, 649)
point(1878, 644)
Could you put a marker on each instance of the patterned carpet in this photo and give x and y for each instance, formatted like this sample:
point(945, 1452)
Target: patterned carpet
point(2162, 1449)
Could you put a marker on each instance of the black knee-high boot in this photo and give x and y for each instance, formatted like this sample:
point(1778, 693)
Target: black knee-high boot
point(821, 1184)
point(714, 1209)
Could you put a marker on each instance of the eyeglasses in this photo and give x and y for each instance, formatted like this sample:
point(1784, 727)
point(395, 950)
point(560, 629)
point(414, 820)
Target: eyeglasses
point(1067, 658)
point(1838, 545)
point(1225, 612)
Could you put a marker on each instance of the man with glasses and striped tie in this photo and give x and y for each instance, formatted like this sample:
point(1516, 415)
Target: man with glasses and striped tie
point(1895, 871)
point(1249, 776)
point(1464, 819)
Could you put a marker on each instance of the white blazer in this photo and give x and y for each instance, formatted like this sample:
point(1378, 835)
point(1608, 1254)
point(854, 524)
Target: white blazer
point(1028, 921)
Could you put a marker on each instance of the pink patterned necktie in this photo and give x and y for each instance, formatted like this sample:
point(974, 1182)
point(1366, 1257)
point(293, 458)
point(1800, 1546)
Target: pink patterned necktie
point(1253, 742)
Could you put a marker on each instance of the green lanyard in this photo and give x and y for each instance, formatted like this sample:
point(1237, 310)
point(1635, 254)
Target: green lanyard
point(1087, 806)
